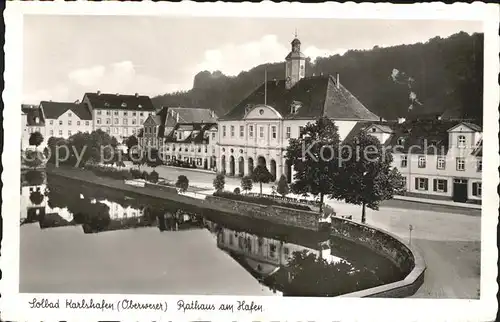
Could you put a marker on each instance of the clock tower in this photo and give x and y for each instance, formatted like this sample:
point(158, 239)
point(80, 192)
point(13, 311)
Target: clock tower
point(295, 64)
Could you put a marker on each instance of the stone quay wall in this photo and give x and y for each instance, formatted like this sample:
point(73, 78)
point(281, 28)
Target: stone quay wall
point(273, 213)
point(407, 258)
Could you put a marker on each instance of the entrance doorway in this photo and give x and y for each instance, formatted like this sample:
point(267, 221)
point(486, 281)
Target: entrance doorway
point(460, 190)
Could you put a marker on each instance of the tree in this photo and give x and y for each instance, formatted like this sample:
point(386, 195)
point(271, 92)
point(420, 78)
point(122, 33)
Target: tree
point(261, 175)
point(132, 143)
point(182, 183)
point(314, 157)
point(246, 183)
point(237, 191)
point(219, 182)
point(367, 177)
point(283, 188)
point(36, 138)
point(32, 159)
point(153, 158)
point(36, 197)
point(34, 178)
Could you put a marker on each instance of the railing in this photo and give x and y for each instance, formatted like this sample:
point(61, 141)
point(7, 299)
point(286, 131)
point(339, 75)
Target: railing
point(287, 199)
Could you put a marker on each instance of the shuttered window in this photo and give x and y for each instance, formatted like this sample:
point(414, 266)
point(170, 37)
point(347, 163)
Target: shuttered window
point(440, 185)
point(421, 184)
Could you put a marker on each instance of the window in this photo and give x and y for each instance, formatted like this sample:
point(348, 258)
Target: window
point(232, 130)
point(69, 132)
point(116, 113)
point(403, 179)
point(231, 239)
point(51, 122)
point(301, 128)
point(108, 121)
point(125, 121)
point(242, 131)
point(477, 189)
point(186, 149)
point(69, 114)
point(107, 130)
point(250, 131)
point(116, 121)
point(421, 183)
point(141, 114)
point(440, 185)
point(142, 121)
point(51, 132)
point(77, 122)
point(286, 251)
point(441, 163)
point(134, 113)
point(116, 130)
point(124, 113)
point(60, 122)
point(108, 112)
point(98, 112)
point(479, 165)
point(288, 132)
point(87, 123)
point(401, 141)
point(422, 161)
point(460, 164)
point(133, 122)
point(273, 131)
point(213, 136)
point(223, 131)
point(272, 250)
point(98, 121)
point(404, 161)
point(60, 132)
point(461, 141)
point(69, 122)
point(261, 131)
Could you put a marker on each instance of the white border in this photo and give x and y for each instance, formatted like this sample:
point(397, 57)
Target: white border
point(13, 306)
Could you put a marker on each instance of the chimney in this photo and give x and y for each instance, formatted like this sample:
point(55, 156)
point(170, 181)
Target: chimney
point(117, 94)
point(314, 74)
point(98, 92)
point(401, 120)
point(338, 80)
point(136, 94)
point(380, 118)
point(77, 102)
point(177, 117)
point(438, 117)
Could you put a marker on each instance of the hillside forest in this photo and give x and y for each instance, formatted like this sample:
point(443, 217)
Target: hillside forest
point(441, 76)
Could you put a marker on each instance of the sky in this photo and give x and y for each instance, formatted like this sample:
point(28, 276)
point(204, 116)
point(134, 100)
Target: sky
point(66, 56)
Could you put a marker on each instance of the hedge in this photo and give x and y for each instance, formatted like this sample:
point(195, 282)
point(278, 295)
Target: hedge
point(259, 200)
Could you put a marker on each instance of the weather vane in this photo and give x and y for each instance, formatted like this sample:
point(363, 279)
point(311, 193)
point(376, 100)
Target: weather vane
point(295, 32)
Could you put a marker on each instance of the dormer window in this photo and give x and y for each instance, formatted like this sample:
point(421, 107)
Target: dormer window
point(295, 106)
point(140, 106)
point(106, 105)
point(37, 119)
point(401, 141)
point(124, 104)
point(374, 129)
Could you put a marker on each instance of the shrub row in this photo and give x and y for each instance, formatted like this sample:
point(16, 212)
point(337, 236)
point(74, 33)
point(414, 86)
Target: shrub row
point(259, 200)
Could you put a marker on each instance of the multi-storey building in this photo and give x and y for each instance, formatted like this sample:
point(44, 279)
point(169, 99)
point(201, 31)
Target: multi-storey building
point(257, 130)
point(63, 119)
point(439, 159)
point(185, 134)
point(118, 115)
point(32, 120)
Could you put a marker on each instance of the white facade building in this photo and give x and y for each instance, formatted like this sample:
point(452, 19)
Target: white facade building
point(118, 115)
point(257, 130)
point(64, 119)
point(440, 159)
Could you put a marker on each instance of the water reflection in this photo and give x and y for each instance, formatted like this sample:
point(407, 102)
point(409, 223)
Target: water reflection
point(274, 254)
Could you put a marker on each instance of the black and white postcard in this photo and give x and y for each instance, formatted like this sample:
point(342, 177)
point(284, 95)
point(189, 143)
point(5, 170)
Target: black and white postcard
point(249, 162)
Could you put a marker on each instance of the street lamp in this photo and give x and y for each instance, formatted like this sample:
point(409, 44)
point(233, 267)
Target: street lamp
point(410, 228)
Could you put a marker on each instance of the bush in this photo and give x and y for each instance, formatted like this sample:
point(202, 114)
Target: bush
point(136, 174)
point(182, 183)
point(259, 200)
point(219, 182)
point(144, 175)
point(153, 176)
point(237, 191)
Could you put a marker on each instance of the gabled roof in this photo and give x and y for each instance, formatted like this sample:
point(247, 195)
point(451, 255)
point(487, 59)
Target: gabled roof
point(197, 128)
point(33, 114)
point(188, 115)
point(53, 110)
point(471, 126)
point(417, 134)
point(478, 151)
point(154, 119)
point(120, 102)
point(318, 96)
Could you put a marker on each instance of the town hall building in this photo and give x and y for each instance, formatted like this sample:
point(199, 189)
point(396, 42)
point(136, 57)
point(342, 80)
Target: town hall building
point(257, 130)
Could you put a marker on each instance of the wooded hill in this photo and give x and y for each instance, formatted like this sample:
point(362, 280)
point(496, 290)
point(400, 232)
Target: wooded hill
point(447, 78)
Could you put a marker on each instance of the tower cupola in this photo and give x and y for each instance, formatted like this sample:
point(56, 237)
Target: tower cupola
point(295, 68)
